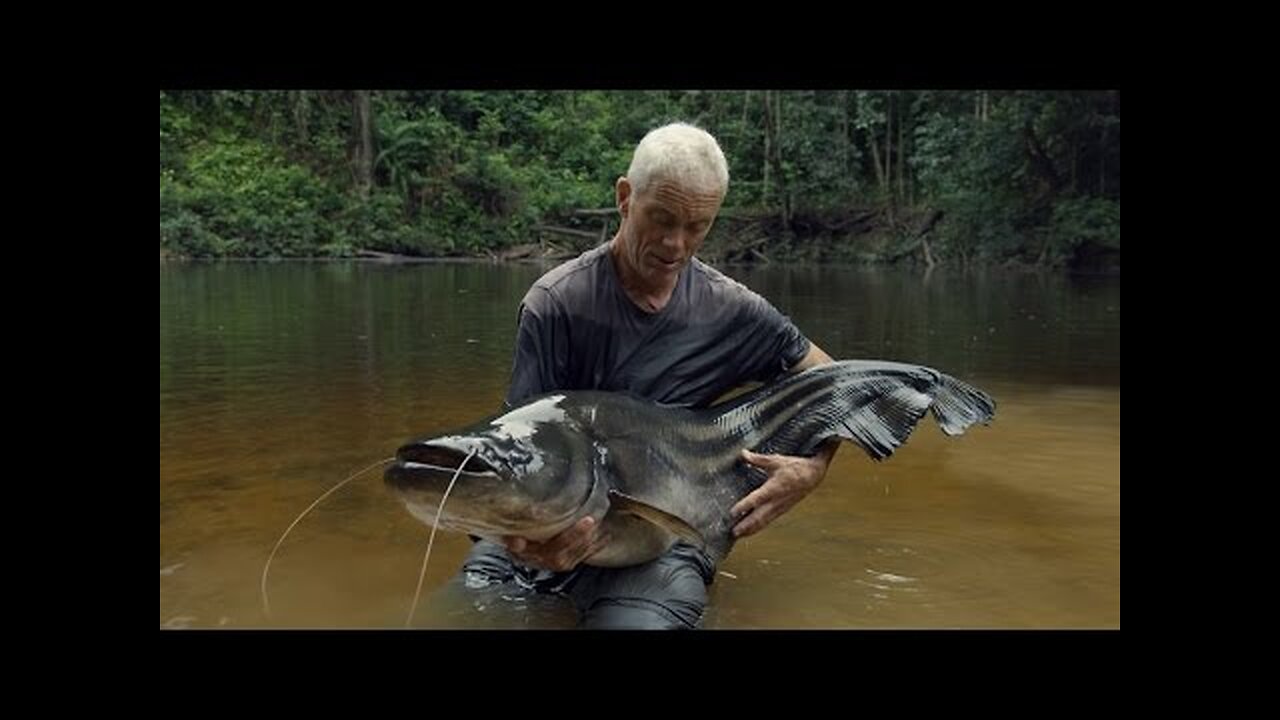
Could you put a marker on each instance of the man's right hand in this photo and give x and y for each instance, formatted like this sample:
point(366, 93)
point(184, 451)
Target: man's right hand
point(562, 552)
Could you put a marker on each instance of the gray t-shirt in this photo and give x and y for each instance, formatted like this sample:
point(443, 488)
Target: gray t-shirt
point(578, 330)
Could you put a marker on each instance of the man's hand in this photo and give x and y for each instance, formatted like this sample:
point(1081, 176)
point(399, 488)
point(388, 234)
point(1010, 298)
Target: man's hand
point(790, 479)
point(562, 552)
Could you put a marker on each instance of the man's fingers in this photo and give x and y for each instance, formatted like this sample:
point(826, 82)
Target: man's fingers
point(583, 529)
point(571, 557)
point(764, 462)
point(753, 522)
point(754, 499)
point(563, 552)
point(596, 546)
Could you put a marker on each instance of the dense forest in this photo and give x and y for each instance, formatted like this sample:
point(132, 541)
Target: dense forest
point(1011, 178)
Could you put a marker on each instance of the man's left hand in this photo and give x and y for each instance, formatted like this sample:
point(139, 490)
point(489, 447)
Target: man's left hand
point(790, 479)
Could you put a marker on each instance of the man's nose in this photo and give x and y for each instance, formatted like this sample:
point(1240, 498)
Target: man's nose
point(677, 239)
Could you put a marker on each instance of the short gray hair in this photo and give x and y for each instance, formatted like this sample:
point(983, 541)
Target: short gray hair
point(680, 153)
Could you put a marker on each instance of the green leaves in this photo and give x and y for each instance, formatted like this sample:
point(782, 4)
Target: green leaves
point(1027, 175)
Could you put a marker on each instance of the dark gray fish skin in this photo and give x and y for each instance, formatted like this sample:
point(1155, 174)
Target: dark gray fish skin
point(658, 473)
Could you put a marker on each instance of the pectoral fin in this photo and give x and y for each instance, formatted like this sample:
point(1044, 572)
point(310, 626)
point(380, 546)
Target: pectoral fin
point(624, 503)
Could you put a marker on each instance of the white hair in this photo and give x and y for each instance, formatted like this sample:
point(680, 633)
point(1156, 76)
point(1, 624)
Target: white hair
point(682, 154)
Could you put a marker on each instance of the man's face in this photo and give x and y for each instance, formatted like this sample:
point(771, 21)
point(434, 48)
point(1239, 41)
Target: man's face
point(664, 226)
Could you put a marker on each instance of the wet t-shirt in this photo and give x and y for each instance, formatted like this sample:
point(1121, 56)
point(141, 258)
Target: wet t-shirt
point(578, 330)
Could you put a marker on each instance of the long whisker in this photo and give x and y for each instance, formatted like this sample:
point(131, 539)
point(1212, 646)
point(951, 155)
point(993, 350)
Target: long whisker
point(266, 605)
point(435, 525)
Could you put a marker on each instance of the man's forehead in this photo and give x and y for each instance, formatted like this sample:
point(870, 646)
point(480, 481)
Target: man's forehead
point(683, 199)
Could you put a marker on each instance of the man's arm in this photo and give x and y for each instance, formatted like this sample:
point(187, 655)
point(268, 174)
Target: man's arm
point(812, 359)
point(791, 478)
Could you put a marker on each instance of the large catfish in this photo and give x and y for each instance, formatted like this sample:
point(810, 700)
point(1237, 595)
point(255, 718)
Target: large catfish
point(657, 473)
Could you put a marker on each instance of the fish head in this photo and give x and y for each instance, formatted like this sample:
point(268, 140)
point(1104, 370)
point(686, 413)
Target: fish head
point(528, 472)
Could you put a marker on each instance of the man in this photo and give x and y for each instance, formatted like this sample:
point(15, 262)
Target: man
point(642, 314)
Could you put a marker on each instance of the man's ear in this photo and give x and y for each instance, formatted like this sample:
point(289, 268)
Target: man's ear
point(622, 191)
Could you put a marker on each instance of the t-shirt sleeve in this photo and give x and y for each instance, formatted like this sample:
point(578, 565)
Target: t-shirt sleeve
point(775, 343)
point(540, 363)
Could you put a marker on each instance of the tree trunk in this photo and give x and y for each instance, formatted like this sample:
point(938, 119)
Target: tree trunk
point(902, 154)
point(773, 155)
point(875, 156)
point(888, 145)
point(362, 128)
point(844, 129)
point(1040, 159)
point(301, 115)
point(1075, 162)
point(1102, 163)
point(888, 157)
point(1044, 253)
point(783, 189)
point(768, 154)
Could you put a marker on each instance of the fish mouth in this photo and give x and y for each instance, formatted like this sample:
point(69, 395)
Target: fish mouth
point(487, 499)
point(422, 471)
point(438, 457)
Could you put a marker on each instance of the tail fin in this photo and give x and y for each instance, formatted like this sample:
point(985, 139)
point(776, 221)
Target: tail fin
point(871, 403)
point(959, 405)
